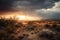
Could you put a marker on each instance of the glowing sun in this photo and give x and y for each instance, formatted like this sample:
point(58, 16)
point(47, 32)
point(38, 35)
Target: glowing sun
point(21, 17)
point(28, 18)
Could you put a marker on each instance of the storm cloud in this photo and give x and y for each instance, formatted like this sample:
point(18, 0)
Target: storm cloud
point(26, 4)
point(50, 13)
point(5, 4)
point(48, 9)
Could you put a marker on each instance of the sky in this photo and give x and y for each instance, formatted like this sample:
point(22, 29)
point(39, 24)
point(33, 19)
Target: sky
point(47, 9)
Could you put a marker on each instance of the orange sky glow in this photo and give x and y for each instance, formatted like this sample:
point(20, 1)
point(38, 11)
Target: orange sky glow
point(20, 16)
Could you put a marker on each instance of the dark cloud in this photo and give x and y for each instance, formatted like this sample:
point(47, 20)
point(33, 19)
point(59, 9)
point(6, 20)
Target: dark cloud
point(36, 4)
point(5, 4)
point(32, 4)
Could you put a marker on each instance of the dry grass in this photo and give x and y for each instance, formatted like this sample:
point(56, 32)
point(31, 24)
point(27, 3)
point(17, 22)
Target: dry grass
point(33, 30)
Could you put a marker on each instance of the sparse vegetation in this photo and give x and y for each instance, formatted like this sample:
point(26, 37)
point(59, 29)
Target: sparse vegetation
point(12, 30)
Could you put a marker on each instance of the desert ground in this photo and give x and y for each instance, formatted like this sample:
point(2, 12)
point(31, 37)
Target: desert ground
point(29, 30)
